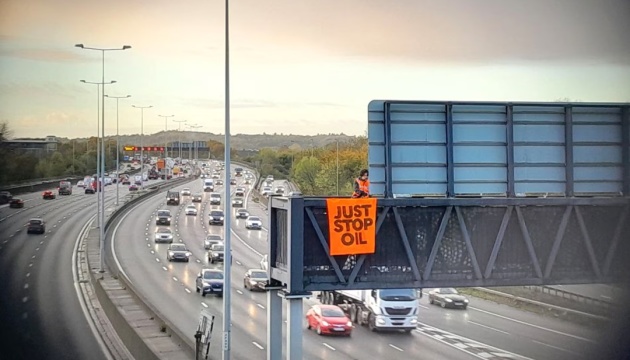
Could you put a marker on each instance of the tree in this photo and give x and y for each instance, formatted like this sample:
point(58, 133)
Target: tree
point(306, 173)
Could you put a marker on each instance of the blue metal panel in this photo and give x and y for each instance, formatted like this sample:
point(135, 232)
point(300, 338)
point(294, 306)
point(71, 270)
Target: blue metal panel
point(477, 148)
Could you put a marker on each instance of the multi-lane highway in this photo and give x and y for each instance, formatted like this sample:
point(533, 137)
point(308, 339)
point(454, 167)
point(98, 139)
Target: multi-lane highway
point(40, 313)
point(486, 330)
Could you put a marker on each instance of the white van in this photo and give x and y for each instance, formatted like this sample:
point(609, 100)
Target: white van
point(208, 185)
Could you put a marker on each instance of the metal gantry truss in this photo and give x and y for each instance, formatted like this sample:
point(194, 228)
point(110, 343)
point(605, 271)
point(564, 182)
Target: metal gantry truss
point(456, 242)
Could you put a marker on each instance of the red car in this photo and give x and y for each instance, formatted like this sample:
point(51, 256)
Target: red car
point(133, 187)
point(328, 319)
point(16, 203)
point(48, 195)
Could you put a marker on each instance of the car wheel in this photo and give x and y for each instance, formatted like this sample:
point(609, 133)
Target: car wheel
point(431, 301)
point(319, 330)
point(465, 306)
point(211, 261)
point(196, 288)
point(203, 294)
point(371, 323)
point(443, 305)
point(308, 324)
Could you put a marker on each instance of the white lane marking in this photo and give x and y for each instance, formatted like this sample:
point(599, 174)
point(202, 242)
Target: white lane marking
point(28, 274)
point(75, 279)
point(157, 260)
point(328, 346)
point(488, 327)
point(260, 306)
point(396, 347)
point(534, 326)
point(24, 316)
point(41, 242)
point(557, 348)
point(30, 265)
point(33, 257)
point(164, 268)
point(606, 297)
point(258, 345)
point(152, 252)
point(238, 262)
point(174, 278)
point(26, 286)
point(36, 249)
point(148, 245)
point(204, 304)
point(25, 299)
point(188, 291)
point(424, 307)
point(245, 243)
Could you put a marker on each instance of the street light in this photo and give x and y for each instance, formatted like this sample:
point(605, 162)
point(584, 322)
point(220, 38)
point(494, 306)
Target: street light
point(101, 192)
point(141, 138)
point(117, 144)
point(165, 136)
point(180, 137)
point(99, 154)
point(337, 141)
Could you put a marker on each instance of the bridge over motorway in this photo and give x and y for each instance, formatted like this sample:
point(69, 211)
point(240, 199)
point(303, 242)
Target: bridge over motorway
point(466, 194)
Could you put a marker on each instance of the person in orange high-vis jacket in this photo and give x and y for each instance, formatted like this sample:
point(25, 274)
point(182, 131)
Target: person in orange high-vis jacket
point(362, 185)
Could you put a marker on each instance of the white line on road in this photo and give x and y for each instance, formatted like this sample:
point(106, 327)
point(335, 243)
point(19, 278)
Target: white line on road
point(164, 268)
point(148, 245)
point(157, 260)
point(188, 291)
point(557, 348)
point(152, 252)
point(424, 307)
point(488, 327)
point(238, 262)
point(396, 347)
point(26, 286)
point(534, 326)
point(328, 346)
point(260, 306)
point(25, 299)
point(204, 304)
point(36, 249)
point(174, 278)
point(258, 345)
point(239, 292)
point(28, 274)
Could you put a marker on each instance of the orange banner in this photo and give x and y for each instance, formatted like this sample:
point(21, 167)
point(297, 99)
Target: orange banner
point(352, 226)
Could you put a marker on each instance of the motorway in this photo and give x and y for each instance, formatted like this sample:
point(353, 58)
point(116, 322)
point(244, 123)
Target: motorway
point(485, 331)
point(40, 313)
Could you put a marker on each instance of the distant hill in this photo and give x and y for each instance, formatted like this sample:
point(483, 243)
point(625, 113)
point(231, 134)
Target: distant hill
point(238, 141)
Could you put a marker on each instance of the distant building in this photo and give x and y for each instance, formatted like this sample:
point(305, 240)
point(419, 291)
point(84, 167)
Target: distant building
point(37, 147)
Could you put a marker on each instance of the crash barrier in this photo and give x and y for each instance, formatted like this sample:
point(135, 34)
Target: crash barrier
point(130, 337)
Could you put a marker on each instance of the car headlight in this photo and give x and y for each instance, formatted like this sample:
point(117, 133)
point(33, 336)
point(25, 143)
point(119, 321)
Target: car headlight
point(220, 217)
point(253, 282)
point(380, 321)
point(325, 323)
point(205, 283)
point(448, 300)
point(188, 254)
point(170, 253)
point(168, 219)
point(413, 321)
point(349, 323)
point(466, 300)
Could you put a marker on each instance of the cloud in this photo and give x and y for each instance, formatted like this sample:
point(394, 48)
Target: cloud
point(48, 55)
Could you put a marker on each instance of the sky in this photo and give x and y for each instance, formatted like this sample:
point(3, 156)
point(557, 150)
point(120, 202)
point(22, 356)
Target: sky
point(298, 67)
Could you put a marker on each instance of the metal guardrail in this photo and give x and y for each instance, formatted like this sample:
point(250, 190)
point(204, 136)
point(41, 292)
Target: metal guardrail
point(607, 305)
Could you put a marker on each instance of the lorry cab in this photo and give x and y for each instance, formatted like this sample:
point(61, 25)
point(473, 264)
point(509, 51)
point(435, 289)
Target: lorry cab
point(208, 185)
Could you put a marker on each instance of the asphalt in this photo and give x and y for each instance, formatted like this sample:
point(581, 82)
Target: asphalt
point(40, 314)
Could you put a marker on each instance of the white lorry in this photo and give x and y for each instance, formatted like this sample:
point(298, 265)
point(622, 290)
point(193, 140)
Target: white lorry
point(208, 185)
point(385, 309)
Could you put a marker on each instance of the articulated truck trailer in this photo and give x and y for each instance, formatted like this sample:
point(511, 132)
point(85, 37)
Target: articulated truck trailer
point(384, 309)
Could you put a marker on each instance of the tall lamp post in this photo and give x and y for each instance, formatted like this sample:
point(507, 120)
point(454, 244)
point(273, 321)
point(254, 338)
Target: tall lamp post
point(117, 144)
point(179, 128)
point(165, 136)
point(337, 141)
point(99, 159)
point(141, 138)
point(101, 192)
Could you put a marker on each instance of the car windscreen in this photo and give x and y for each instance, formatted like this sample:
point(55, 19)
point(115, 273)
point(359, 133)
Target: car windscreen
point(213, 237)
point(448, 291)
point(164, 231)
point(217, 248)
point(35, 222)
point(332, 312)
point(253, 218)
point(178, 247)
point(164, 213)
point(397, 294)
point(216, 213)
point(212, 275)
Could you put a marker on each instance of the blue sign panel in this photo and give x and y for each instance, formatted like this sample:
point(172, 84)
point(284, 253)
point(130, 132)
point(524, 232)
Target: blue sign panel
point(450, 149)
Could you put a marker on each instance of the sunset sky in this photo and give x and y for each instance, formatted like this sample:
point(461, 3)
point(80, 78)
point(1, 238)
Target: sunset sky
point(300, 67)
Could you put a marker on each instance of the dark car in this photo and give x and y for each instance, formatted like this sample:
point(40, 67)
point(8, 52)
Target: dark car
point(219, 182)
point(242, 214)
point(163, 217)
point(448, 297)
point(5, 197)
point(232, 181)
point(178, 252)
point(216, 217)
point(126, 181)
point(197, 198)
point(255, 279)
point(239, 192)
point(16, 203)
point(36, 225)
point(172, 198)
point(210, 281)
point(89, 190)
point(48, 195)
point(216, 253)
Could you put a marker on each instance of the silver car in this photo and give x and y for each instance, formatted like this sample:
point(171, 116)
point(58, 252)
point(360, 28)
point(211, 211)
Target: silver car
point(163, 235)
point(212, 239)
